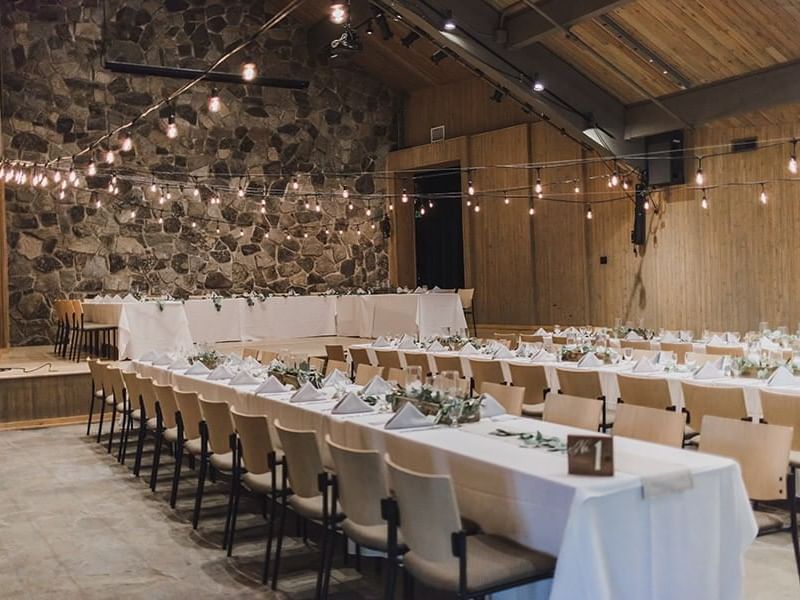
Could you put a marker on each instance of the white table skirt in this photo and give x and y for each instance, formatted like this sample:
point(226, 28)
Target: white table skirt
point(611, 543)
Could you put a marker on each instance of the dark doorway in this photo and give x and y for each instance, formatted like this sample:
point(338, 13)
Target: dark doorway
point(439, 240)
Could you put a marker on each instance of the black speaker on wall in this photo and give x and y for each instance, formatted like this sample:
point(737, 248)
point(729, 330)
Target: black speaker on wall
point(639, 232)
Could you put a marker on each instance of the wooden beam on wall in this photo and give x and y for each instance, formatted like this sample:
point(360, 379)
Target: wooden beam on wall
point(5, 325)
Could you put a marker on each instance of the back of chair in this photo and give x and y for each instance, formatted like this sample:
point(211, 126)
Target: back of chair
point(364, 373)
point(639, 354)
point(679, 348)
point(133, 386)
point(336, 364)
point(635, 344)
point(700, 358)
point(725, 350)
point(389, 359)
point(761, 450)
point(303, 459)
point(317, 363)
point(533, 378)
point(361, 476)
point(718, 401)
point(652, 392)
point(466, 295)
point(77, 311)
point(579, 382)
point(165, 394)
point(782, 409)
point(397, 375)
point(559, 340)
point(418, 359)
point(650, 424)
point(511, 338)
point(267, 356)
point(360, 356)
point(252, 352)
point(510, 396)
point(256, 441)
point(448, 363)
point(428, 511)
point(189, 407)
point(148, 397)
point(575, 411)
point(96, 369)
point(531, 338)
point(217, 416)
point(335, 352)
point(115, 383)
point(490, 371)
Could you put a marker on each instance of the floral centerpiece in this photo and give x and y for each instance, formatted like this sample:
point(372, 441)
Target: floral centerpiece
point(455, 342)
point(296, 375)
point(756, 366)
point(430, 401)
point(621, 331)
point(209, 357)
point(575, 352)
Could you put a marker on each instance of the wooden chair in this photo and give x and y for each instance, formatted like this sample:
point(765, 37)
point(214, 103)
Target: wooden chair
point(98, 339)
point(783, 409)
point(335, 352)
point(216, 453)
point(509, 396)
point(718, 401)
point(448, 363)
point(486, 371)
point(115, 394)
point(317, 363)
point(467, 296)
point(397, 375)
point(389, 359)
point(651, 392)
point(267, 356)
point(96, 369)
point(189, 441)
point(636, 344)
point(332, 365)
point(584, 383)
point(439, 550)
point(365, 373)
point(359, 356)
point(575, 411)
point(533, 378)
point(699, 358)
point(132, 408)
point(166, 426)
point(762, 451)
point(559, 340)
point(531, 338)
point(725, 350)
point(418, 359)
point(650, 424)
point(511, 338)
point(254, 352)
point(678, 348)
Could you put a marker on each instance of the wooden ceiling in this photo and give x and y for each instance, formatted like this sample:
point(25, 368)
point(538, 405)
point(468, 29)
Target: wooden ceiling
point(704, 40)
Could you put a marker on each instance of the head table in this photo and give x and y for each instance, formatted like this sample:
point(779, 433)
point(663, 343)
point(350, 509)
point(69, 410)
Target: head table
point(166, 325)
point(612, 542)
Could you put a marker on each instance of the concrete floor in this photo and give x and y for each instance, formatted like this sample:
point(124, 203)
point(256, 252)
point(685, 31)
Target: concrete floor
point(75, 524)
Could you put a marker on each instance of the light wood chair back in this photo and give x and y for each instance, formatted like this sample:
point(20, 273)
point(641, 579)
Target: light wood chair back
point(303, 459)
point(418, 359)
point(575, 411)
point(486, 371)
point(531, 338)
point(96, 368)
point(782, 409)
point(511, 338)
point(560, 340)
point(217, 416)
point(719, 401)
point(510, 397)
point(133, 388)
point(725, 350)
point(397, 375)
point(635, 344)
point(165, 395)
point(448, 363)
point(700, 358)
point(639, 354)
point(253, 352)
point(579, 382)
point(466, 295)
point(678, 348)
point(254, 434)
point(365, 373)
point(650, 424)
point(360, 356)
point(362, 483)
point(389, 359)
point(115, 383)
point(335, 352)
point(531, 377)
point(761, 450)
point(267, 356)
point(637, 390)
point(189, 407)
point(317, 363)
point(332, 365)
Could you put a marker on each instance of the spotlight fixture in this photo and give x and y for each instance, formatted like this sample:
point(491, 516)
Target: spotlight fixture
point(497, 96)
point(127, 142)
point(537, 85)
point(172, 127)
point(338, 11)
point(449, 23)
point(793, 159)
point(438, 56)
point(369, 30)
point(345, 43)
point(249, 70)
point(383, 25)
point(409, 39)
point(214, 103)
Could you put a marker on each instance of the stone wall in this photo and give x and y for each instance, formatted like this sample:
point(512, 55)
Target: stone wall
point(57, 99)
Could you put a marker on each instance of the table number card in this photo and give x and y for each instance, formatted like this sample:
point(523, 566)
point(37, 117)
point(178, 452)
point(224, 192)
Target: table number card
point(590, 455)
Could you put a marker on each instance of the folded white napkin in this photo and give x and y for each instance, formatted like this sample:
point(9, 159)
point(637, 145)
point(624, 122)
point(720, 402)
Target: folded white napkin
point(490, 407)
point(715, 341)
point(686, 335)
point(198, 368)
point(782, 377)
point(569, 331)
point(234, 359)
point(307, 393)
point(590, 360)
point(162, 360)
point(351, 404)
point(419, 290)
point(408, 417)
point(670, 338)
point(129, 298)
point(274, 364)
point(540, 331)
point(381, 342)
point(543, 356)
point(664, 356)
point(179, 364)
point(643, 365)
point(149, 356)
point(731, 338)
point(252, 363)
point(272, 386)
point(221, 372)
point(407, 343)
point(244, 378)
point(633, 336)
point(436, 347)
point(334, 378)
point(503, 352)
point(710, 370)
point(768, 344)
point(116, 298)
point(377, 386)
point(467, 349)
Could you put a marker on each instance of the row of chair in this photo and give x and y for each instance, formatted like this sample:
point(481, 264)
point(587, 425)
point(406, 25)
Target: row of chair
point(75, 335)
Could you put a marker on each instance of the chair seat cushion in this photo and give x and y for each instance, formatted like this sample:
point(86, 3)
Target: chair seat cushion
point(152, 424)
point(171, 434)
point(222, 462)
point(491, 561)
point(794, 458)
point(374, 537)
point(261, 483)
point(110, 400)
point(310, 508)
point(767, 521)
point(533, 410)
point(98, 393)
point(194, 446)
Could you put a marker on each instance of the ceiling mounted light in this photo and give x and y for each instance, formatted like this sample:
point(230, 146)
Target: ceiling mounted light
point(438, 56)
point(338, 11)
point(347, 42)
point(369, 30)
point(449, 23)
point(538, 84)
point(383, 25)
point(409, 39)
point(497, 96)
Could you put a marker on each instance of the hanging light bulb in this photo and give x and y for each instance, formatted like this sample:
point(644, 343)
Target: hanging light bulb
point(133, 213)
point(531, 210)
point(391, 206)
point(469, 203)
point(422, 211)
point(793, 159)
point(249, 71)
point(3, 171)
point(704, 201)
point(110, 188)
point(577, 189)
point(538, 187)
point(345, 192)
point(506, 199)
point(168, 195)
point(98, 204)
point(160, 220)
point(172, 127)
point(153, 187)
point(763, 195)
point(91, 170)
point(338, 12)
point(614, 179)
point(72, 175)
point(540, 195)
point(62, 194)
point(589, 215)
point(625, 184)
point(646, 205)
point(470, 188)
point(127, 142)
point(240, 193)
point(194, 224)
point(404, 197)
point(64, 184)
point(699, 177)
point(263, 210)
point(430, 203)
point(327, 231)
point(108, 157)
point(218, 229)
point(196, 191)
point(295, 184)
point(305, 234)
point(214, 103)
point(477, 208)
point(350, 206)
point(307, 205)
point(317, 206)
point(161, 199)
point(56, 176)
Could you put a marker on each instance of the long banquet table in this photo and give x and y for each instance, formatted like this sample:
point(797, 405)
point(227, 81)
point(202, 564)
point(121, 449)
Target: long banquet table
point(612, 542)
point(144, 326)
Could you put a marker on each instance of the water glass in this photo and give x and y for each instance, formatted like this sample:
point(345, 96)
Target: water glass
point(627, 353)
point(413, 376)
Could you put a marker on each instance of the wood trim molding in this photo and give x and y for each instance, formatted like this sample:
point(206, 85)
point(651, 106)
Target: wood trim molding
point(5, 326)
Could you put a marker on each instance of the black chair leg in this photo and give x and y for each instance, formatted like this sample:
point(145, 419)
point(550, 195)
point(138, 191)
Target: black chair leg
point(391, 578)
point(91, 411)
point(279, 543)
point(123, 447)
point(234, 513)
point(198, 497)
point(113, 420)
point(176, 476)
point(102, 414)
point(327, 565)
point(408, 585)
point(140, 437)
point(156, 460)
point(792, 492)
point(323, 556)
point(273, 507)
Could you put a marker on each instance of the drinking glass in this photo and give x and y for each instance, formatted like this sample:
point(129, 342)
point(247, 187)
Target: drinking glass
point(450, 382)
point(413, 376)
point(456, 408)
point(627, 353)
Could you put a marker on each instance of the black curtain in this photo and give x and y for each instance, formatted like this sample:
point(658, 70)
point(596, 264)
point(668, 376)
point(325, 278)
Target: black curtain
point(439, 241)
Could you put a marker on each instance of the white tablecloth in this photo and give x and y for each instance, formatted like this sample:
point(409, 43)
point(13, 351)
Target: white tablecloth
point(611, 542)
